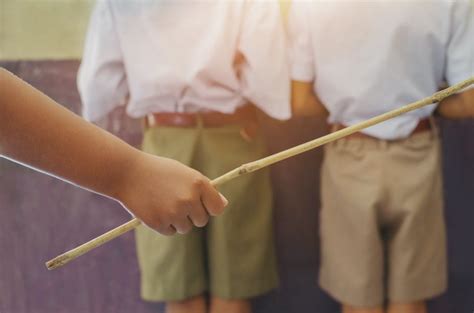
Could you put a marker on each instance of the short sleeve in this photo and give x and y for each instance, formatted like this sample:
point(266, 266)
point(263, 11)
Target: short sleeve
point(300, 47)
point(460, 51)
point(101, 78)
point(264, 71)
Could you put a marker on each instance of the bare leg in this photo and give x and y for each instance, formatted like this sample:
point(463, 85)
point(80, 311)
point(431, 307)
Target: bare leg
point(219, 305)
point(192, 305)
point(351, 309)
point(413, 307)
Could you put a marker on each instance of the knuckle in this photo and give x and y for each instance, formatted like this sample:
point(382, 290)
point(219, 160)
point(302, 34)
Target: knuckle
point(156, 224)
point(184, 230)
point(183, 201)
point(201, 220)
point(184, 204)
point(216, 210)
point(199, 182)
point(168, 231)
point(175, 212)
point(201, 223)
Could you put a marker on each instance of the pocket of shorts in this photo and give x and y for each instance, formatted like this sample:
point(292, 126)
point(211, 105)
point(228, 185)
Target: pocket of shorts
point(421, 141)
point(348, 149)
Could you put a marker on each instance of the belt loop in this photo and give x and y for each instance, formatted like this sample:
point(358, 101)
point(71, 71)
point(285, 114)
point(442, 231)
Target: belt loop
point(199, 121)
point(149, 121)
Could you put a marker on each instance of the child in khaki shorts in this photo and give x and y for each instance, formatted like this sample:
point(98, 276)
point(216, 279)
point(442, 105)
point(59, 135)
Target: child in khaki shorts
point(383, 243)
point(196, 72)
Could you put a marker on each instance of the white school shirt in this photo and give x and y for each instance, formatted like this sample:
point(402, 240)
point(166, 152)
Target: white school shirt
point(179, 56)
point(370, 57)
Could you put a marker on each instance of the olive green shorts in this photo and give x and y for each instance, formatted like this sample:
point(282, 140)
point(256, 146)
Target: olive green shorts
point(382, 225)
point(233, 257)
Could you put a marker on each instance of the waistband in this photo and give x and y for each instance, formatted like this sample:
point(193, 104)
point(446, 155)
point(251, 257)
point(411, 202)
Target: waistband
point(242, 115)
point(423, 125)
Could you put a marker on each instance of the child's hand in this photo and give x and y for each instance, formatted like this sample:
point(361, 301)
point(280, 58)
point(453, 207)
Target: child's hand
point(168, 196)
point(470, 108)
point(458, 106)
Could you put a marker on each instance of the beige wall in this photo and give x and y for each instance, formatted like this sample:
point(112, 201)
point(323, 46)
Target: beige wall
point(46, 29)
point(42, 29)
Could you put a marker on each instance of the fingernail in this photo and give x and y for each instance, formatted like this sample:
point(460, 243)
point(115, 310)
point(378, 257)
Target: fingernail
point(226, 202)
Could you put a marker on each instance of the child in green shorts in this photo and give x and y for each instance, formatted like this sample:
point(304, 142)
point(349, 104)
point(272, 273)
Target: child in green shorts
point(196, 72)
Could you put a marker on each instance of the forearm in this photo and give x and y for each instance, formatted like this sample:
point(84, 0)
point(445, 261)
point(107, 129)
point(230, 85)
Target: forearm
point(318, 108)
point(304, 102)
point(458, 106)
point(37, 131)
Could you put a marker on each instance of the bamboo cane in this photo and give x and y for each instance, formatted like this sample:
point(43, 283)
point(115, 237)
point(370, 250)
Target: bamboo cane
point(267, 161)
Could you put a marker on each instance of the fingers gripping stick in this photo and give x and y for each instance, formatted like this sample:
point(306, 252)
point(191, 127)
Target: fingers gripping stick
point(267, 161)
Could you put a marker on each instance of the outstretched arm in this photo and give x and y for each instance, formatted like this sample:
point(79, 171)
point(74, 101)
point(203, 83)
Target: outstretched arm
point(38, 132)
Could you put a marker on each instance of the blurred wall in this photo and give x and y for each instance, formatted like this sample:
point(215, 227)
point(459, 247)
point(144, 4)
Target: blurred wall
point(42, 29)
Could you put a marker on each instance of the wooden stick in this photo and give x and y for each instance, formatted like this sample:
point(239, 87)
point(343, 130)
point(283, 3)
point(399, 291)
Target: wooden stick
point(94, 243)
point(269, 160)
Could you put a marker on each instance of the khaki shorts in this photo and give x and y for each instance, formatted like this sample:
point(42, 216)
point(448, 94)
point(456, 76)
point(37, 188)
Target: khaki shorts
point(382, 224)
point(233, 257)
